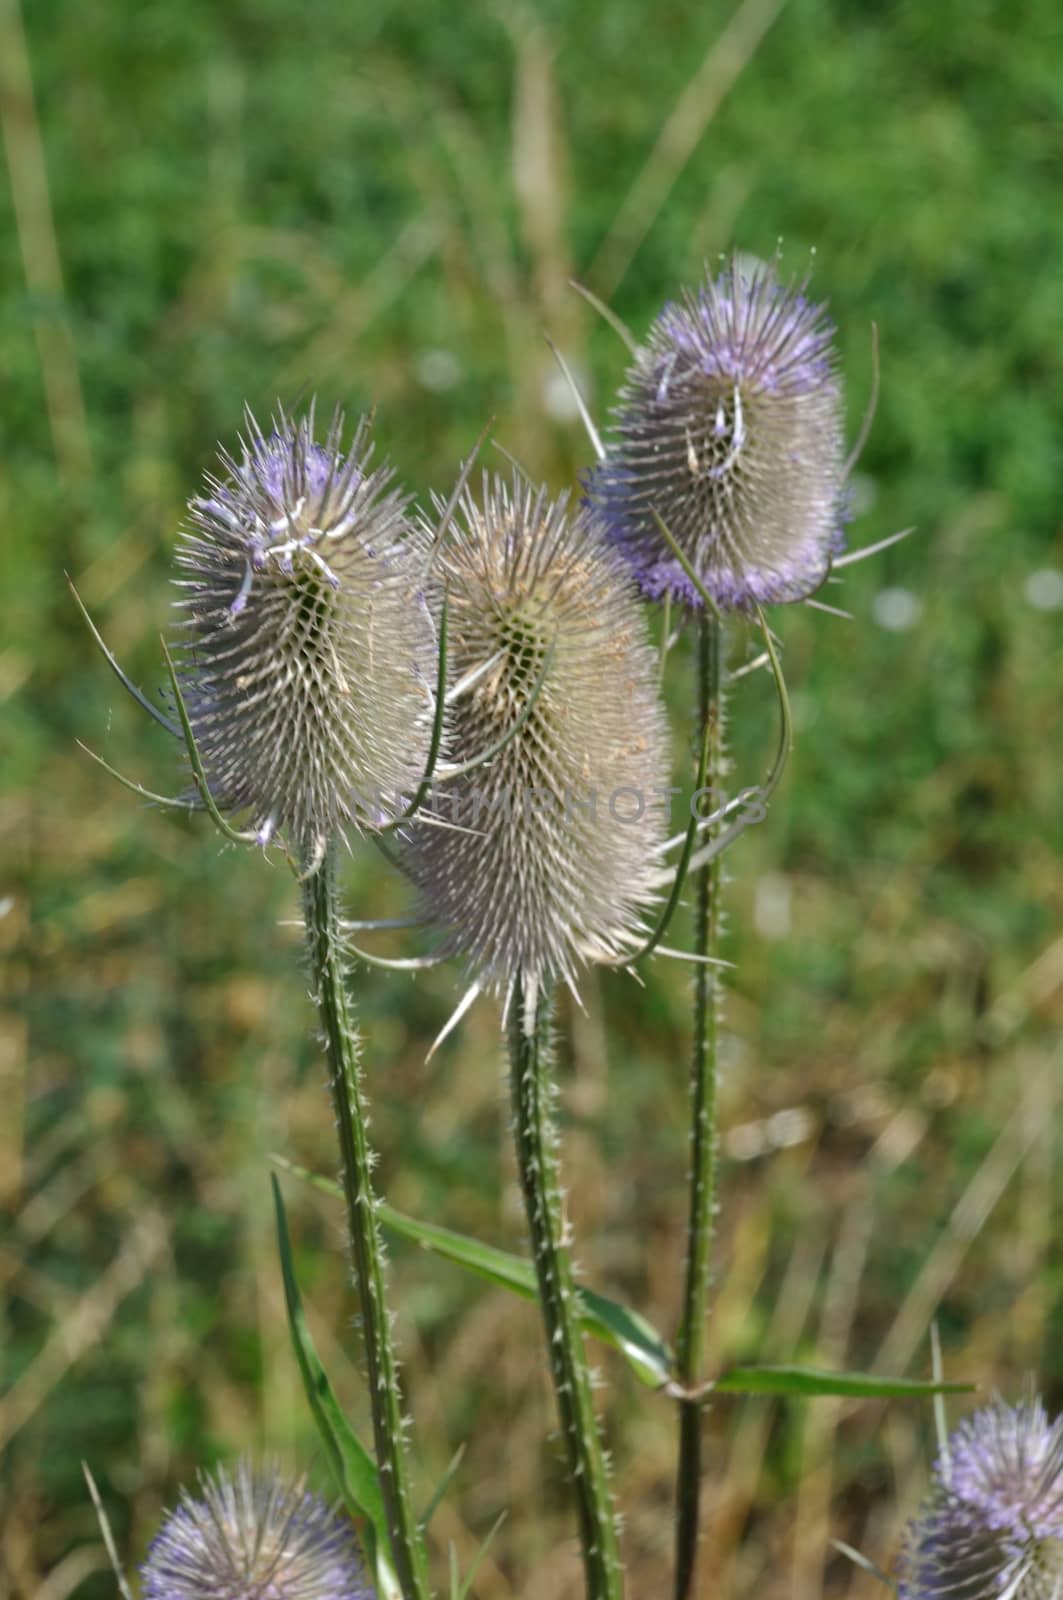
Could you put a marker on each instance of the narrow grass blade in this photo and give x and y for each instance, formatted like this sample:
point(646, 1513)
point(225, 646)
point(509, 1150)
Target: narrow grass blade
point(607, 314)
point(106, 1535)
point(458, 1590)
point(940, 1418)
point(581, 405)
point(863, 1562)
point(441, 1487)
point(352, 1467)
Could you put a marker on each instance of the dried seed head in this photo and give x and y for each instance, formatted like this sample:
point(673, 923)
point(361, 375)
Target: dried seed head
point(729, 427)
point(992, 1525)
point(254, 1537)
point(308, 650)
point(551, 847)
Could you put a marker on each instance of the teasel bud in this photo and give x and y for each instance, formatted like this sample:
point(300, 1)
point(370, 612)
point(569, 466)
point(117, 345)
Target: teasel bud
point(992, 1524)
point(729, 429)
point(308, 649)
point(548, 851)
point(254, 1536)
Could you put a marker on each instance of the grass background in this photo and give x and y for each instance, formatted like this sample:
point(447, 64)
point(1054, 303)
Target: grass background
point(210, 204)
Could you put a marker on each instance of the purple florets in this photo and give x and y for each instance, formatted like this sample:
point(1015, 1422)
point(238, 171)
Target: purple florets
point(254, 1537)
point(285, 475)
point(729, 429)
point(992, 1525)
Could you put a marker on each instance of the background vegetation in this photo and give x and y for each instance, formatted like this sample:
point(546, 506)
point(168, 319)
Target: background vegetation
point(212, 203)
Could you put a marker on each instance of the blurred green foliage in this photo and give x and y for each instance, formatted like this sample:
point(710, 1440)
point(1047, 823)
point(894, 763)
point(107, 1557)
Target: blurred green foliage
point(217, 203)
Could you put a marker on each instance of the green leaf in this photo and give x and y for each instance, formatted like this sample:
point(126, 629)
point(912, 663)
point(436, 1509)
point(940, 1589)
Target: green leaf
point(615, 1325)
point(638, 1341)
point(809, 1381)
point(351, 1465)
point(647, 1354)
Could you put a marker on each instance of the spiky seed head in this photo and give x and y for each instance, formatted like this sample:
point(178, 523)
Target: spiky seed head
point(547, 852)
point(254, 1536)
point(307, 654)
point(992, 1524)
point(729, 426)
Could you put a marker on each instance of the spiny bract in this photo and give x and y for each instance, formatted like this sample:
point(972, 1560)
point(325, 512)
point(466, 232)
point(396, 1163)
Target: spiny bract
point(307, 657)
point(729, 428)
point(254, 1537)
point(992, 1526)
point(549, 850)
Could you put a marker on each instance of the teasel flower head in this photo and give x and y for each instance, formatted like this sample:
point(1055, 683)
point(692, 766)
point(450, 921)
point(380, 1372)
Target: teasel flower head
point(991, 1527)
point(549, 850)
point(308, 648)
point(250, 1536)
point(729, 429)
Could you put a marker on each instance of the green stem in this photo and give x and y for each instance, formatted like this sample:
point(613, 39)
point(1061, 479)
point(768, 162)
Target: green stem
point(540, 1181)
point(324, 943)
point(690, 1343)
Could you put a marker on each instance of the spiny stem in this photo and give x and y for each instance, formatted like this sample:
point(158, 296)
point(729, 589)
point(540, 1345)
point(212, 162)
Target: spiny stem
point(537, 1162)
point(690, 1343)
point(325, 948)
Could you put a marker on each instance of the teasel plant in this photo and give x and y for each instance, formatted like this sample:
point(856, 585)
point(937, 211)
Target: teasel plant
point(307, 684)
point(540, 875)
point(722, 482)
